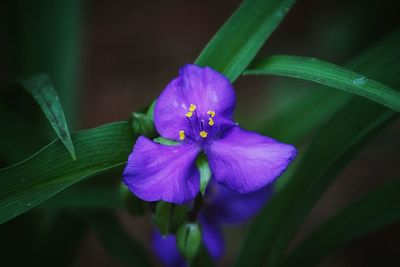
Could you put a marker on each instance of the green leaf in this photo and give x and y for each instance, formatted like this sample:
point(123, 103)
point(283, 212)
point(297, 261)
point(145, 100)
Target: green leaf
point(375, 210)
point(237, 42)
point(242, 35)
point(329, 152)
point(205, 173)
point(24, 118)
point(331, 149)
point(96, 197)
point(329, 74)
point(118, 241)
point(188, 240)
point(301, 112)
point(307, 111)
point(32, 181)
point(235, 45)
point(42, 90)
point(303, 109)
point(45, 36)
point(93, 197)
point(165, 141)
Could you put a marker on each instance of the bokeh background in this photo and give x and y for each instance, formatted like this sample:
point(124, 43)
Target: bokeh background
point(109, 58)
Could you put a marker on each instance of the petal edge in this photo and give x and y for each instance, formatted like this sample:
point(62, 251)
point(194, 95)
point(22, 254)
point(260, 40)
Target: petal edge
point(245, 161)
point(159, 172)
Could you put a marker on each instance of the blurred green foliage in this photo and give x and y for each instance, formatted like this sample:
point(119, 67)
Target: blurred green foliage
point(328, 125)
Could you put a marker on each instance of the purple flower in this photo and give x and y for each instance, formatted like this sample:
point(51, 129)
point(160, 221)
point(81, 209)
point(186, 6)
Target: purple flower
point(196, 110)
point(221, 206)
point(167, 250)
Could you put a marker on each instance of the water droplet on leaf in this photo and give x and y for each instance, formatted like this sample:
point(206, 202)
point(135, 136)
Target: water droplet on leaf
point(360, 81)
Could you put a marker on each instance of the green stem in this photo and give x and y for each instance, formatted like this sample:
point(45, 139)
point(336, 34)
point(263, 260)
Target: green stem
point(198, 202)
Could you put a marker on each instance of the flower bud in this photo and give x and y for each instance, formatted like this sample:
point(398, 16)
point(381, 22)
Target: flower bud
point(188, 239)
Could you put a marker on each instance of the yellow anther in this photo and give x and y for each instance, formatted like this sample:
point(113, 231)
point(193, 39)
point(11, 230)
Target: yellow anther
point(211, 113)
point(192, 107)
point(203, 134)
point(210, 121)
point(182, 135)
point(189, 114)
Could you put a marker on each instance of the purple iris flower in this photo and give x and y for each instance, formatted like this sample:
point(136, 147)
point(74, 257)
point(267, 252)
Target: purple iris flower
point(221, 206)
point(196, 111)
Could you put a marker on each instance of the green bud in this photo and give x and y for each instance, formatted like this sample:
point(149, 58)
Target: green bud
point(205, 172)
point(188, 239)
point(143, 124)
point(165, 141)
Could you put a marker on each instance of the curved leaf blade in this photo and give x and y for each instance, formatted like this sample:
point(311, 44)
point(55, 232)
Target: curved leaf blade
point(238, 41)
point(336, 143)
point(375, 210)
point(329, 74)
point(91, 197)
point(307, 111)
point(42, 90)
point(32, 181)
point(333, 147)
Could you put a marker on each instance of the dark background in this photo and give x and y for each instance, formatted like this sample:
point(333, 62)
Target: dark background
point(127, 51)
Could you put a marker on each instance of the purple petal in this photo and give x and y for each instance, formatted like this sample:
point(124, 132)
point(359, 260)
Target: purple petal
point(212, 238)
point(226, 206)
point(204, 87)
point(159, 172)
point(166, 250)
point(246, 161)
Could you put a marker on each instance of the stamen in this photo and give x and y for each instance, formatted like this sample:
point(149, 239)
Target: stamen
point(181, 135)
point(192, 107)
point(211, 113)
point(203, 134)
point(210, 121)
point(189, 114)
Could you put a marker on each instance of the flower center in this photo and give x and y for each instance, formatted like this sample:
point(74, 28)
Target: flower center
point(199, 125)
